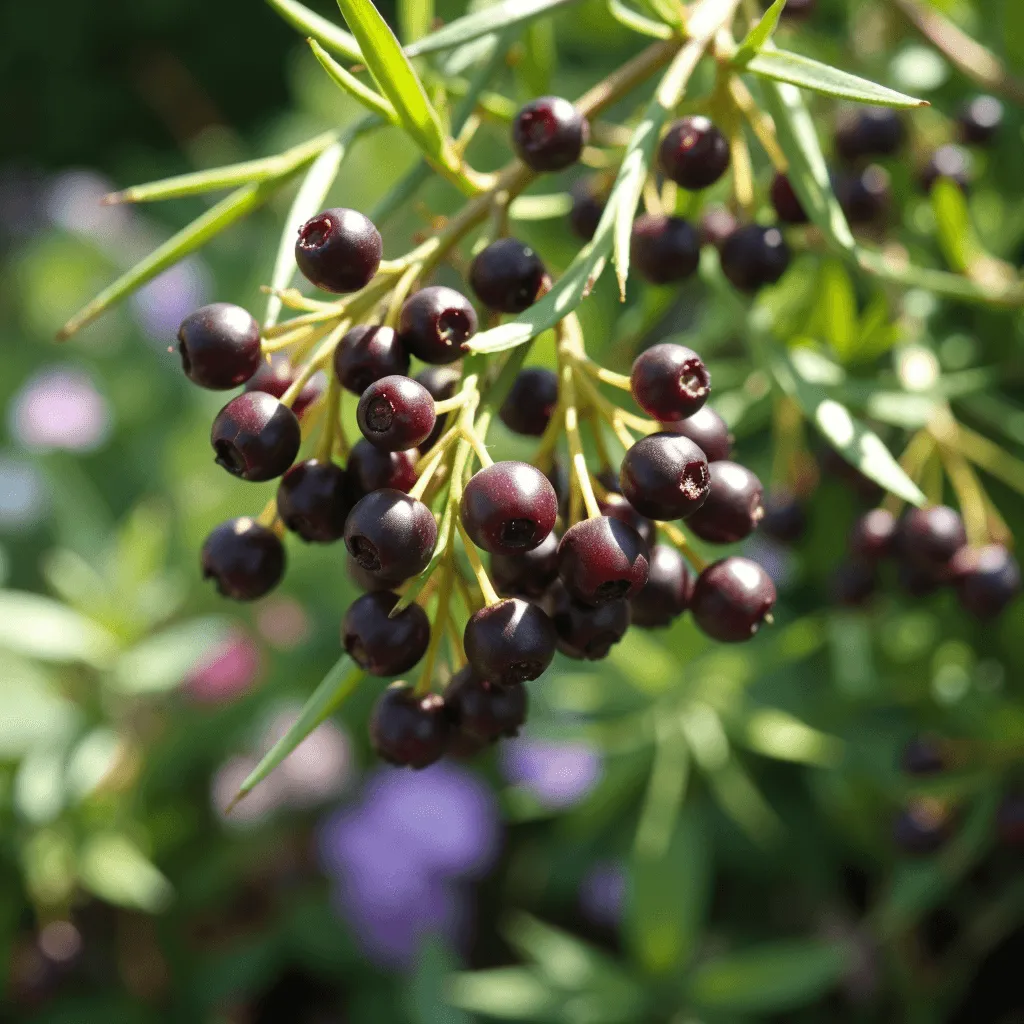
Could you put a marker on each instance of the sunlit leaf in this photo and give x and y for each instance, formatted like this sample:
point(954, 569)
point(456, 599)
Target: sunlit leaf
point(112, 866)
point(506, 993)
point(835, 313)
point(777, 734)
point(637, 22)
point(956, 233)
point(759, 34)
point(323, 31)
point(415, 18)
point(46, 630)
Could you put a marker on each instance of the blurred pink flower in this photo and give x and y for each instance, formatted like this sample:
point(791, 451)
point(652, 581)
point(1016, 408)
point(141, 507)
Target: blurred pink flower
point(226, 672)
point(164, 302)
point(60, 407)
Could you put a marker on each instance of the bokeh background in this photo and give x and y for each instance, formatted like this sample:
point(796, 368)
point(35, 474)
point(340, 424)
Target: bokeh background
point(133, 702)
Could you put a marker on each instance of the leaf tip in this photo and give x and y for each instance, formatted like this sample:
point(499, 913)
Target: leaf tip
point(235, 801)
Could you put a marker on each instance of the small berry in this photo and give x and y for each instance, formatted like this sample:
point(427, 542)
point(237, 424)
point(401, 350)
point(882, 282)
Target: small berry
point(244, 559)
point(339, 250)
point(930, 537)
point(381, 645)
point(869, 131)
point(434, 324)
point(587, 208)
point(219, 346)
point(919, 580)
point(664, 249)
point(390, 534)
point(665, 476)
point(873, 536)
point(799, 9)
point(865, 196)
point(668, 590)
point(924, 755)
point(754, 256)
point(313, 500)
point(396, 413)
point(255, 436)
point(482, 710)
point(507, 276)
point(708, 431)
point(549, 134)
point(979, 120)
point(602, 559)
point(527, 574)
point(370, 469)
point(786, 202)
point(367, 580)
point(441, 382)
point(616, 506)
point(734, 505)
point(276, 378)
point(784, 519)
point(509, 507)
point(530, 402)
point(367, 353)
point(987, 579)
point(923, 827)
point(950, 162)
point(407, 730)
point(586, 632)
point(716, 225)
point(670, 382)
point(509, 642)
point(694, 153)
point(731, 599)
point(854, 583)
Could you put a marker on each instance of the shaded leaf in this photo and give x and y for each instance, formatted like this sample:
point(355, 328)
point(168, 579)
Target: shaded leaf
point(323, 31)
point(112, 867)
point(507, 993)
point(777, 734)
point(759, 34)
point(46, 630)
point(956, 233)
point(835, 312)
point(426, 997)
point(637, 22)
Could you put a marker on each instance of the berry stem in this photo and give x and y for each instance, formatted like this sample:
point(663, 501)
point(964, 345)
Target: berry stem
point(598, 372)
point(453, 403)
point(482, 579)
point(444, 595)
point(401, 293)
point(431, 462)
point(458, 653)
point(969, 494)
point(990, 457)
point(323, 354)
point(760, 124)
point(682, 542)
point(569, 338)
point(469, 602)
point(268, 517)
point(332, 408)
point(596, 432)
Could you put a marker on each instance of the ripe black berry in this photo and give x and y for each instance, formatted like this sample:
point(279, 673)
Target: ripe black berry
point(784, 519)
point(733, 507)
point(930, 537)
point(396, 413)
point(665, 476)
point(384, 646)
point(483, 710)
point(509, 507)
point(527, 574)
point(708, 431)
point(313, 500)
point(530, 402)
point(716, 225)
point(276, 378)
point(602, 559)
point(731, 599)
point(786, 202)
point(754, 256)
point(370, 469)
point(507, 276)
point(923, 827)
point(664, 249)
point(854, 583)
point(667, 592)
point(586, 632)
point(670, 382)
point(979, 120)
point(924, 756)
point(919, 580)
point(694, 153)
point(367, 580)
point(435, 322)
point(987, 579)
point(367, 353)
point(864, 196)
point(407, 730)
point(441, 382)
point(390, 534)
point(868, 131)
point(950, 162)
point(587, 207)
point(616, 506)
point(219, 346)
point(549, 134)
point(255, 436)
point(244, 559)
point(509, 642)
point(339, 250)
point(873, 536)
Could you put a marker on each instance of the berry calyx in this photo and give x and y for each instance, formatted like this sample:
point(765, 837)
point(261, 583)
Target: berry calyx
point(786, 202)
point(987, 579)
point(407, 730)
point(507, 276)
point(754, 256)
point(381, 645)
point(483, 710)
point(390, 534)
point(731, 599)
point(244, 559)
point(665, 476)
point(549, 133)
point(527, 574)
point(670, 382)
point(396, 413)
point(219, 346)
point(434, 324)
point(694, 153)
point(602, 559)
point(313, 500)
point(255, 437)
point(708, 431)
point(868, 132)
point(668, 590)
point(734, 505)
point(508, 508)
point(339, 250)
point(664, 249)
point(366, 354)
point(509, 642)
point(587, 632)
point(370, 469)
point(979, 121)
point(276, 378)
point(530, 401)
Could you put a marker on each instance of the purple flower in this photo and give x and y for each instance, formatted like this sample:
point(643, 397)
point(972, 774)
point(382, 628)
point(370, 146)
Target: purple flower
point(602, 893)
point(59, 407)
point(75, 203)
point(164, 302)
point(557, 774)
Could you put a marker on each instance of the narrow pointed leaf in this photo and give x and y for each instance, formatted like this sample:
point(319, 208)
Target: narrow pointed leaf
point(956, 233)
point(637, 22)
point(759, 34)
point(325, 32)
point(777, 734)
point(345, 80)
point(415, 18)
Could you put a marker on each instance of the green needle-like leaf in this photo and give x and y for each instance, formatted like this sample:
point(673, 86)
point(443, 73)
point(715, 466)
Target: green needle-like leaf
point(415, 18)
point(325, 32)
point(345, 80)
point(639, 23)
point(759, 34)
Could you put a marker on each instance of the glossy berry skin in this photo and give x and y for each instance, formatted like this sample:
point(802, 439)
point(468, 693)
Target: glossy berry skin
point(527, 574)
point(665, 476)
point(390, 534)
point(664, 249)
point(670, 382)
point(441, 382)
point(396, 413)
point(979, 120)
point(602, 559)
point(754, 256)
point(586, 632)
point(313, 500)
point(255, 437)
point(616, 506)
point(930, 537)
point(787, 203)
point(339, 250)
point(734, 506)
point(854, 583)
point(370, 469)
point(530, 402)
point(587, 207)
point(435, 322)
point(507, 276)
point(244, 559)
point(508, 508)
point(509, 642)
point(865, 197)
point(715, 226)
point(483, 710)
point(276, 378)
point(873, 536)
point(784, 519)
point(694, 153)
point(708, 431)
point(987, 579)
point(366, 354)
point(409, 731)
point(731, 599)
point(667, 592)
point(219, 346)
point(869, 132)
point(950, 162)
point(380, 645)
point(923, 756)
point(549, 134)
point(924, 827)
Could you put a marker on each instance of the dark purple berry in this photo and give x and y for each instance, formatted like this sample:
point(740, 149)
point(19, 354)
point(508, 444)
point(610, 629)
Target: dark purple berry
point(587, 208)
point(787, 203)
point(276, 378)
point(868, 131)
point(509, 507)
point(390, 534)
point(716, 225)
point(381, 645)
point(854, 583)
point(731, 599)
point(339, 250)
point(530, 402)
point(441, 382)
point(407, 730)
point(923, 827)
point(979, 121)
point(602, 559)
point(434, 324)
point(365, 580)
point(483, 710)
point(527, 574)
point(797, 10)
point(219, 346)
point(665, 476)
point(244, 559)
point(930, 537)
point(734, 505)
point(616, 506)
point(923, 756)
point(396, 414)
point(549, 134)
point(670, 382)
point(313, 500)
point(507, 276)
point(255, 436)
point(873, 536)
point(667, 592)
point(919, 580)
point(987, 579)
point(370, 469)
point(708, 431)
point(694, 153)
point(864, 196)
point(509, 642)
point(586, 632)
point(664, 249)
point(754, 256)
point(950, 162)
point(784, 519)
point(367, 353)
